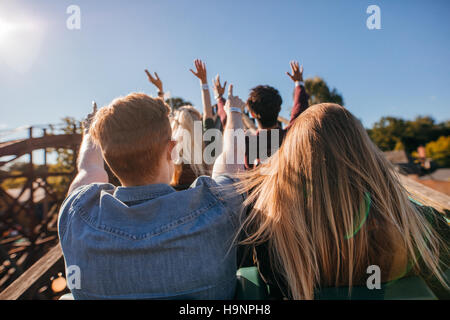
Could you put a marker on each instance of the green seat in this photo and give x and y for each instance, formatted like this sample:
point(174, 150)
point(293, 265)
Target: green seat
point(410, 288)
point(250, 285)
point(343, 293)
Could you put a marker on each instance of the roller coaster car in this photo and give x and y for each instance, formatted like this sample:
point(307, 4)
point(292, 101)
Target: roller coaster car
point(250, 286)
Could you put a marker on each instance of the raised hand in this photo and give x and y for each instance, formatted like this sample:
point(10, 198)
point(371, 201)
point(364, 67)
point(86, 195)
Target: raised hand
point(218, 89)
point(155, 80)
point(297, 72)
point(233, 101)
point(88, 121)
point(200, 66)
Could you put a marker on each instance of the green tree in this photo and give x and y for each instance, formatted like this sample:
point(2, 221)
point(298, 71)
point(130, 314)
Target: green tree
point(19, 168)
point(439, 151)
point(399, 146)
point(390, 132)
point(422, 130)
point(15, 168)
point(177, 102)
point(319, 92)
point(387, 132)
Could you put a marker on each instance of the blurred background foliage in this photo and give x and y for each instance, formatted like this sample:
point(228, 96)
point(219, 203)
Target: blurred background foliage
point(319, 92)
point(391, 133)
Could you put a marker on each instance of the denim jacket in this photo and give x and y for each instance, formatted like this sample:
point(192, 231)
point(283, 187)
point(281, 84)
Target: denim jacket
point(151, 242)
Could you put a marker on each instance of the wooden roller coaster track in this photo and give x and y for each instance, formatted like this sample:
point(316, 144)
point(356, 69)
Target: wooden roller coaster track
point(35, 202)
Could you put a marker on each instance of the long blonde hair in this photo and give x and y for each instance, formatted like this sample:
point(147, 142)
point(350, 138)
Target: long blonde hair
point(309, 203)
point(182, 120)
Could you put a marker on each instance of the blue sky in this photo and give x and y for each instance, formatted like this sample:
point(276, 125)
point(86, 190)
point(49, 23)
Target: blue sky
point(49, 72)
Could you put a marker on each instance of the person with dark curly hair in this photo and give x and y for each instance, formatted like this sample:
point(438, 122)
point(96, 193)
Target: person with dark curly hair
point(264, 105)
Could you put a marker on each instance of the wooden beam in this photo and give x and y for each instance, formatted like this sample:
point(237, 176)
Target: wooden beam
point(426, 195)
point(9, 240)
point(20, 147)
point(32, 274)
point(37, 175)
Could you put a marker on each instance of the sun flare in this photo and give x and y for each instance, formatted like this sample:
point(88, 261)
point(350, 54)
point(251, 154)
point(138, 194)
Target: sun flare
point(20, 41)
point(6, 30)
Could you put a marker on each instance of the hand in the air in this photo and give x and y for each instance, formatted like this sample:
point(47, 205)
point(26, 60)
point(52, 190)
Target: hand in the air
point(218, 89)
point(89, 118)
point(297, 72)
point(155, 80)
point(200, 66)
point(234, 101)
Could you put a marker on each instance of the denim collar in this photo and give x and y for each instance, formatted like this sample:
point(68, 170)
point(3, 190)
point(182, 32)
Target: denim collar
point(138, 193)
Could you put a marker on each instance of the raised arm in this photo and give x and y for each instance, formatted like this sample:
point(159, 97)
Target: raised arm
point(90, 160)
point(300, 95)
point(231, 160)
point(206, 98)
point(218, 95)
point(219, 90)
point(156, 81)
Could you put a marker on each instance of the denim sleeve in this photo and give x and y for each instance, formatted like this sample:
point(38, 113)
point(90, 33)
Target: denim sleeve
point(64, 211)
point(226, 190)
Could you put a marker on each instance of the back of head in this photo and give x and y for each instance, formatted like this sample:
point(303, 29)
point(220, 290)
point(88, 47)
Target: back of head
point(133, 132)
point(190, 141)
point(185, 117)
point(265, 104)
point(330, 205)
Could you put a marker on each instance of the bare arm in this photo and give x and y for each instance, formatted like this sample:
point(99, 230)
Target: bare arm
point(231, 160)
point(90, 161)
point(219, 90)
point(206, 98)
point(221, 111)
point(300, 95)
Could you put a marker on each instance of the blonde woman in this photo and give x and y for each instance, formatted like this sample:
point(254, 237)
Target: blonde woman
point(189, 142)
point(189, 163)
point(328, 204)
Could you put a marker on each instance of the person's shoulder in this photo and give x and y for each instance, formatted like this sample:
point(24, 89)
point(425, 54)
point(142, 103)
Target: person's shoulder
point(222, 187)
point(81, 196)
point(217, 181)
point(85, 193)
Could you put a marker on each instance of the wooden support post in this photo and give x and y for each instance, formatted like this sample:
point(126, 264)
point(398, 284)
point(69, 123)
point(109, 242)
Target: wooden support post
point(32, 274)
point(45, 202)
point(31, 179)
